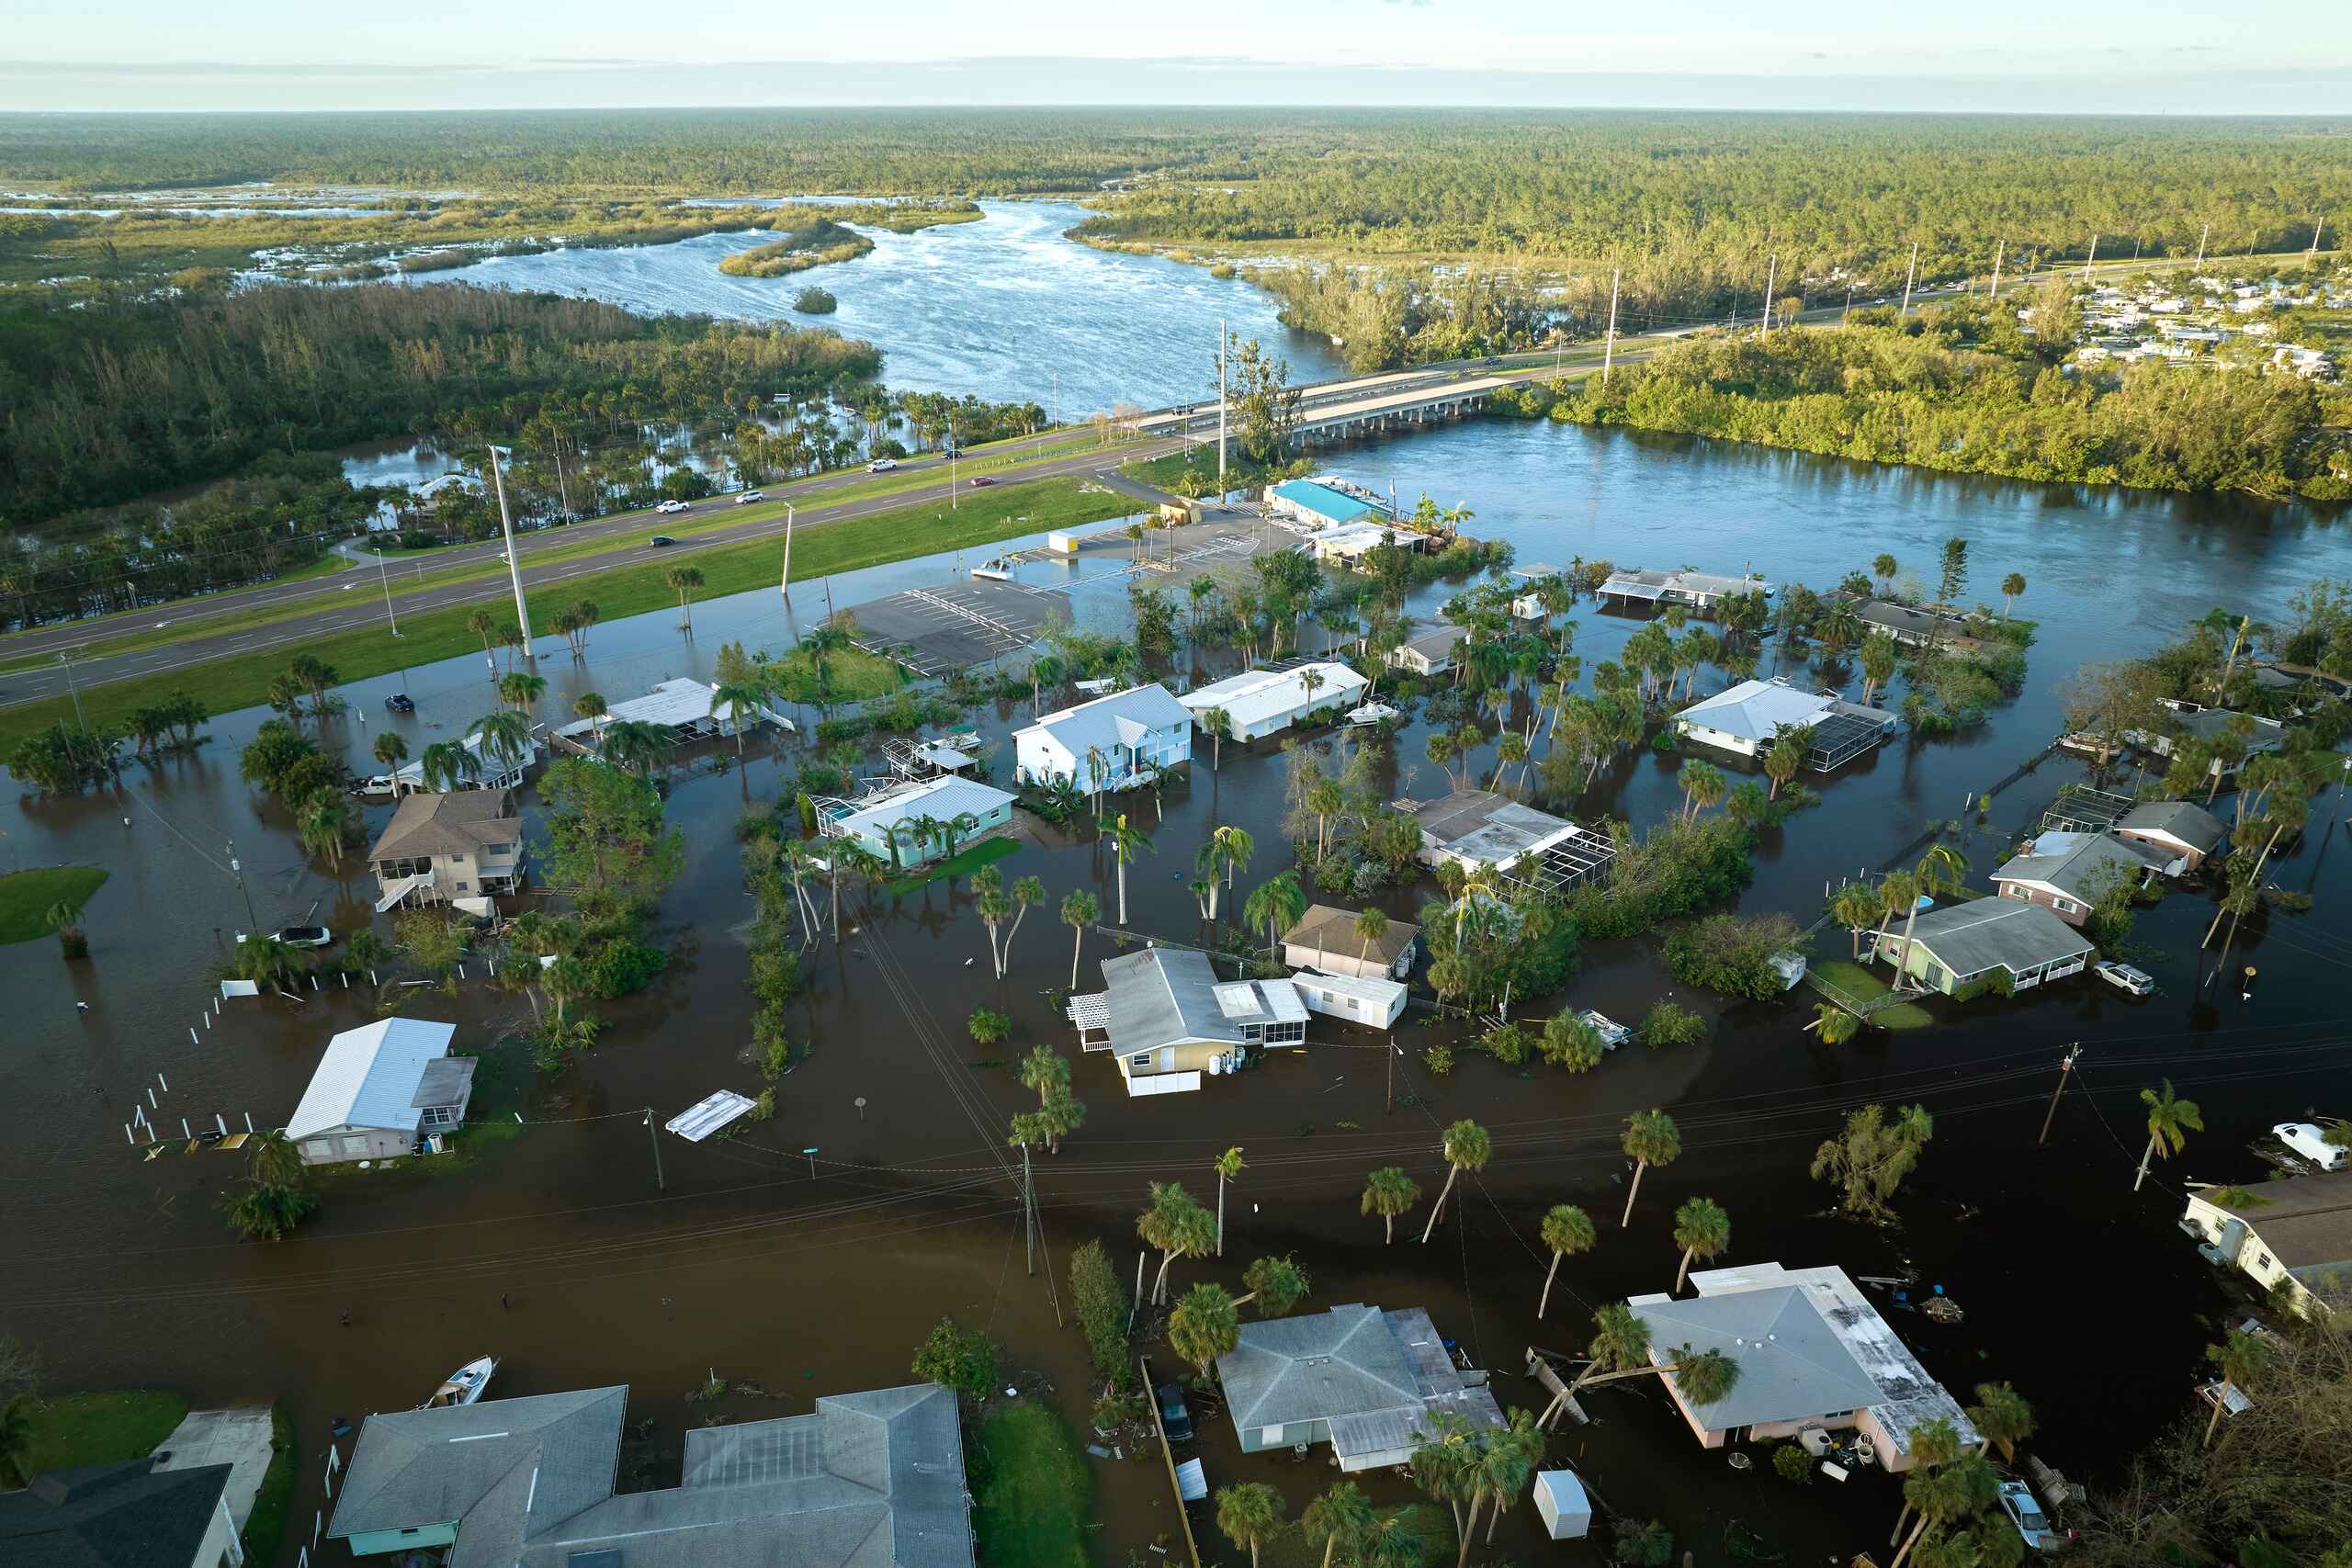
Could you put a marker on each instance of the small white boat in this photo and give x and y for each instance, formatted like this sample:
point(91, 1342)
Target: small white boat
point(996, 570)
point(1612, 1034)
point(1371, 714)
point(464, 1386)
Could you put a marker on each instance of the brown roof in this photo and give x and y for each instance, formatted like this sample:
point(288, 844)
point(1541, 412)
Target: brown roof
point(2306, 1221)
point(1329, 927)
point(458, 823)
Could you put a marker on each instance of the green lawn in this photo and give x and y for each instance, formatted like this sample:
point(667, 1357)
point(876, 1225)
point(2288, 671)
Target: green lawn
point(266, 1524)
point(26, 896)
point(964, 862)
point(854, 674)
point(241, 680)
point(1864, 984)
point(100, 1428)
point(1031, 1511)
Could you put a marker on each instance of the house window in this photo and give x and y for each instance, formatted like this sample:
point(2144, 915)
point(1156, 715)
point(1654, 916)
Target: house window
point(1140, 1059)
point(465, 886)
point(2066, 906)
point(354, 1146)
point(439, 1116)
point(1270, 1436)
point(317, 1147)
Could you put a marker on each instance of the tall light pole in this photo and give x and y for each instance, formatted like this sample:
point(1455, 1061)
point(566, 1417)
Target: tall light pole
point(1223, 336)
point(67, 660)
point(1997, 269)
point(1771, 273)
point(385, 578)
point(1908, 274)
point(1609, 348)
point(514, 568)
point(784, 583)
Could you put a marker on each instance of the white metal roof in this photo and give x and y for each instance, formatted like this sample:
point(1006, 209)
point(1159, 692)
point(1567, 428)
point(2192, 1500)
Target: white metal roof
point(1255, 696)
point(1123, 719)
point(1364, 987)
point(1755, 710)
point(707, 1116)
point(368, 1076)
point(683, 700)
point(945, 798)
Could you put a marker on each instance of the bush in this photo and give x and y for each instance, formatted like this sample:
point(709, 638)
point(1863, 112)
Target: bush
point(965, 1362)
point(1668, 1024)
point(1439, 1059)
point(1508, 1044)
point(988, 1028)
point(1733, 953)
point(1101, 1302)
point(1681, 868)
point(1791, 1462)
point(815, 301)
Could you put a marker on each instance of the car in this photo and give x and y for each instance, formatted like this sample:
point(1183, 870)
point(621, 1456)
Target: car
point(749, 496)
point(980, 483)
point(401, 701)
point(669, 506)
point(881, 465)
point(660, 540)
point(2308, 1140)
point(1175, 1415)
point(2124, 979)
point(306, 936)
point(2018, 1501)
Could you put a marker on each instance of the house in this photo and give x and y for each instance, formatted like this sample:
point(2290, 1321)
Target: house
point(490, 770)
point(1366, 1381)
point(2082, 809)
point(689, 709)
point(2069, 873)
point(131, 1514)
point(1265, 701)
point(1909, 626)
point(1318, 505)
point(467, 843)
point(863, 1479)
point(2183, 833)
point(1699, 590)
point(1812, 1351)
point(2209, 725)
point(1168, 1019)
point(1480, 830)
point(1748, 718)
point(1326, 938)
point(381, 1087)
point(1375, 1001)
point(1351, 543)
point(2295, 1233)
point(891, 823)
point(1987, 943)
point(1429, 651)
point(1109, 744)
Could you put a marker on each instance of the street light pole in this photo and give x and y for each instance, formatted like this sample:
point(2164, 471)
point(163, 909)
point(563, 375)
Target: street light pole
point(67, 660)
point(514, 566)
point(784, 583)
point(1223, 337)
point(237, 869)
point(385, 578)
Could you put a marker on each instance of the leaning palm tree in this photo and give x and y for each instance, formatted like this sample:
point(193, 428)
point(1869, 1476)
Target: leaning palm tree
point(1178, 1226)
point(1389, 1192)
point(1027, 893)
point(2003, 1416)
point(1228, 1167)
point(1941, 865)
point(2241, 1357)
point(1276, 1284)
point(1834, 1023)
point(1947, 1494)
point(1651, 1138)
point(1467, 1147)
point(1566, 1229)
point(1933, 1443)
point(2170, 1121)
point(1341, 1515)
point(682, 582)
point(1249, 1514)
point(741, 700)
point(1079, 911)
point(1702, 1230)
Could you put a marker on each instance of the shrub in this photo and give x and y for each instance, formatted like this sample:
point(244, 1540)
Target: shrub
point(1670, 1024)
point(1439, 1059)
point(989, 1028)
point(1508, 1044)
point(1791, 1462)
point(1733, 953)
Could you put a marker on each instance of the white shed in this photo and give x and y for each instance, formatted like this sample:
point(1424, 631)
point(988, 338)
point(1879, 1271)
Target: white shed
point(377, 1088)
point(1559, 1497)
point(1372, 1002)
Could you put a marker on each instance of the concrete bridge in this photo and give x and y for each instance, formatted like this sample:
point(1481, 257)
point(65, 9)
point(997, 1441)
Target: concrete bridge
point(1364, 405)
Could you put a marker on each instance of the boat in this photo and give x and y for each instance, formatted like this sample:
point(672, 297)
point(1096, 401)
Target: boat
point(997, 569)
point(1371, 714)
point(1612, 1034)
point(464, 1386)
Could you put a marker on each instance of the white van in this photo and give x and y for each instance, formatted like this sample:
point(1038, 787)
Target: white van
point(2302, 1138)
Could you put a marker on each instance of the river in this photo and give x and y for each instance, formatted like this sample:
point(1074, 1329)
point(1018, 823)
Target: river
point(563, 1250)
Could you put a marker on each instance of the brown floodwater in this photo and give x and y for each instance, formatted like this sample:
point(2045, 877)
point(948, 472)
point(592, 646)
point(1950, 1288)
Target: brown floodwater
point(558, 1247)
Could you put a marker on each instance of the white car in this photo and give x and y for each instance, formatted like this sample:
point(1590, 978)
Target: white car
point(881, 465)
point(2124, 977)
point(749, 496)
point(671, 506)
point(2018, 1501)
point(2310, 1142)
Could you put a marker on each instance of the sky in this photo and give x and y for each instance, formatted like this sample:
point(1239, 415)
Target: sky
point(2088, 56)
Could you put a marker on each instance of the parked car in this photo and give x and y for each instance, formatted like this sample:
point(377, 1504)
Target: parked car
point(976, 484)
point(881, 465)
point(669, 506)
point(660, 540)
point(2310, 1142)
point(1174, 1414)
point(2017, 1502)
point(2124, 977)
point(399, 702)
point(749, 496)
point(306, 936)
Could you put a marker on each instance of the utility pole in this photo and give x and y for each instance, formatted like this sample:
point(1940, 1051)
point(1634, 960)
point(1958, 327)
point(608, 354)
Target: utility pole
point(1908, 274)
point(1771, 272)
point(67, 660)
point(951, 465)
point(2092, 257)
point(1223, 337)
point(237, 869)
point(1058, 400)
point(2065, 1071)
point(1029, 1210)
point(514, 568)
point(2202, 238)
point(2317, 230)
point(1609, 350)
point(1844, 314)
point(784, 583)
point(659, 1185)
point(385, 578)
point(1997, 269)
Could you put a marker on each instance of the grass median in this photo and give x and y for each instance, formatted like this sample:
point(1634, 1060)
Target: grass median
point(238, 681)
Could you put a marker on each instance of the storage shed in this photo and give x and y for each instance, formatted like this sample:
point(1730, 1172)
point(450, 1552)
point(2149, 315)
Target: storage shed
point(1559, 1497)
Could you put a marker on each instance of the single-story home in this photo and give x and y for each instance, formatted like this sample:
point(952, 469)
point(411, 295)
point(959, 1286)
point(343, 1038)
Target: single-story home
point(379, 1089)
point(491, 771)
point(687, 708)
point(1326, 938)
point(889, 823)
point(865, 1478)
point(131, 1514)
point(2296, 1232)
point(2184, 833)
point(2069, 873)
point(1478, 829)
point(1367, 1382)
point(1375, 1001)
point(1748, 718)
point(1812, 1351)
point(1909, 626)
point(1317, 504)
point(1168, 1019)
point(1108, 743)
point(1350, 543)
point(1429, 651)
point(2188, 721)
point(1699, 590)
point(466, 843)
point(1265, 701)
point(1975, 943)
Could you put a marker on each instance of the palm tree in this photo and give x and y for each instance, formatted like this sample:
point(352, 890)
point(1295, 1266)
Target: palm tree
point(741, 700)
point(1947, 1494)
point(1651, 1138)
point(321, 824)
point(1466, 1147)
point(392, 749)
point(520, 690)
point(1178, 1226)
point(1884, 567)
point(1512, 1455)
point(1566, 1229)
point(1079, 911)
point(1941, 864)
point(1389, 1192)
point(2170, 1121)
point(2241, 1357)
point(1026, 891)
point(64, 917)
point(1064, 1115)
point(1834, 1023)
point(1393, 1543)
point(1340, 1514)
point(1248, 1514)
point(1855, 907)
point(504, 735)
point(1219, 724)
point(1703, 786)
point(1225, 855)
point(1371, 925)
point(484, 625)
point(1205, 1326)
point(590, 705)
point(1228, 1167)
point(1125, 842)
point(1043, 1070)
point(511, 638)
point(2011, 586)
point(1278, 904)
point(1933, 1443)
point(2001, 1416)
point(682, 582)
point(447, 765)
point(1784, 759)
point(638, 745)
point(1702, 1230)
point(1276, 1284)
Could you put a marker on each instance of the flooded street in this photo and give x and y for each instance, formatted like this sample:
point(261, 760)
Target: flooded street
point(810, 1254)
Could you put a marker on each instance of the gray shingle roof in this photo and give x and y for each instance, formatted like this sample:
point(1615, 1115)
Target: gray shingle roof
point(1790, 1365)
point(126, 1515)
point(2081, 865)
point(1487, 826)
point(1970, 938)
point(2182, 819)
point(1376, 1376)
point(1334, 929)
point(458, 823)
